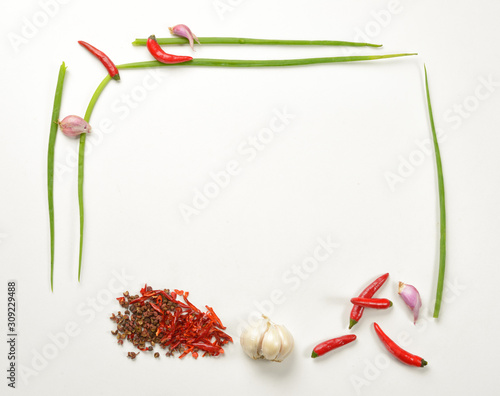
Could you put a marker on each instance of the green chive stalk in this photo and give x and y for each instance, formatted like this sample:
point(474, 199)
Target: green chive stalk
point(442, 207)
point(81, 158)
point(50, 164)
point(251, 41)
point(261, 63)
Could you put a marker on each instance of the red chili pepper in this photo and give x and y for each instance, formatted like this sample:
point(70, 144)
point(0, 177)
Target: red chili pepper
point(208, 347)
point(161, 56)
point(214, 317)
point(397, 351)
point(370, 290)
point(156, 307)
point(332, 344)
point(108, 63)
point(376, 303)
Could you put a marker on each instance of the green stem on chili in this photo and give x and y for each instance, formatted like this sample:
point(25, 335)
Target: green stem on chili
point(261, 63)
point(50, 164)
point(252, 41)
point(442, 207)
point(81, 158)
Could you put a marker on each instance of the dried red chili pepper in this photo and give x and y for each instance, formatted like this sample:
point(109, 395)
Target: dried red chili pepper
point(397, 351)
point(369, 291)
point(159, 318)
point(161, 56)
point(332, 344)
point(105, 60)
point(376, 303)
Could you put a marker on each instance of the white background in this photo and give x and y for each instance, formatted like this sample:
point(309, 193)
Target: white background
point(323, 177)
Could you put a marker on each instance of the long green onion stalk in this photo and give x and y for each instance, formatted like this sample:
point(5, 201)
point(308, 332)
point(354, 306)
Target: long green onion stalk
point(442, 206)
point(251, 41)
point(261, 63)
point(50, 164)
point(81, 158)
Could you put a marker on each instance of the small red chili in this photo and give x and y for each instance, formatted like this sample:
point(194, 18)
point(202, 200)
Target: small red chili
point(376, 303)
point(370, 290)
point(108, 63)
point(397, 351)
point(332, 344)
point(156, 307)
point(161, 56)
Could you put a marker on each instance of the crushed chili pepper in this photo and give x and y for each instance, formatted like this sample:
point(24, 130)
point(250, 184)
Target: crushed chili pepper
point(368, 292)
point(161, 56)
point(158, 318)
point(105, 60)
point(397, 351)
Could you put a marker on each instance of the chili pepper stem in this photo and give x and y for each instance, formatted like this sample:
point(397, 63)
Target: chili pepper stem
point(442, 206)
point(50, 164)
point(352, 322)
point(314, 355)
point(252, 41)
point(81, 159)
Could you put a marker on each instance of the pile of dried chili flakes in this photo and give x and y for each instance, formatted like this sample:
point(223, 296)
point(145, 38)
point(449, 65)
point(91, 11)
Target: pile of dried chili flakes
point(158, 318)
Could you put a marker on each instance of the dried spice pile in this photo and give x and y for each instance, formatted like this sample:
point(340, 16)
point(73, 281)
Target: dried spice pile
point(158, 318)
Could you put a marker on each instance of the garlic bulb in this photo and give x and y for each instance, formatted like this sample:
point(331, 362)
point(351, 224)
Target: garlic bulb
point(267, 340)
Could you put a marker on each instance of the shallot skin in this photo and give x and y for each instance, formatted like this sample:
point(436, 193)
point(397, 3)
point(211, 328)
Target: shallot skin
point(184, 31)
point(74, 126)
point(411, 297)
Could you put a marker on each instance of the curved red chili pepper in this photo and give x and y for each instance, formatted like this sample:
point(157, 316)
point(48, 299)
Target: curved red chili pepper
point(369, 291)
point(156, 307)
point(105, 60)
point(161, 56)
point(332, 344)
point(214, 317)
point(376, 303)
point(397, 351)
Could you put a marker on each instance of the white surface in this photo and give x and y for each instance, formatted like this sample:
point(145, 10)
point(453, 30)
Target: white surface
point(322, 177)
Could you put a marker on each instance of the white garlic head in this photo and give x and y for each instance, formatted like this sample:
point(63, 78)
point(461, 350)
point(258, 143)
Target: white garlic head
point(267, 340)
